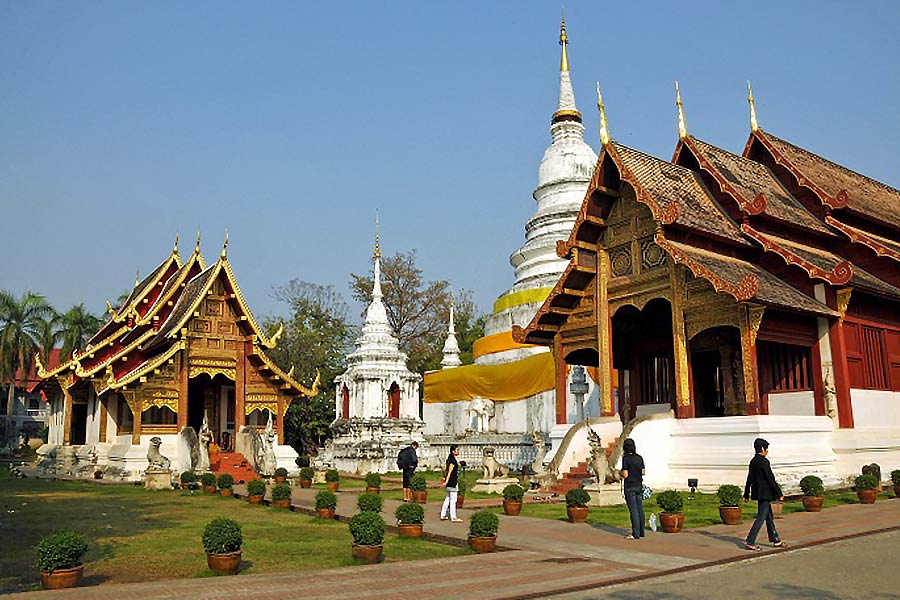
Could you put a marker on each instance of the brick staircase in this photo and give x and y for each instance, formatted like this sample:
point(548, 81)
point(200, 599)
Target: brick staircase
point(233, 463)
point(572, 479)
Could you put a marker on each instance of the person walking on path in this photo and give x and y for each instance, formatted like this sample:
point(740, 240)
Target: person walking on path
point(633, 487)
point(407, 461)
point(451, 483)
point(762, 487)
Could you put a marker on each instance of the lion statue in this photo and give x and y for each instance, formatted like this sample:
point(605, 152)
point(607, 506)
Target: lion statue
point(155, 459)
point(599, 463)
point(490, 467)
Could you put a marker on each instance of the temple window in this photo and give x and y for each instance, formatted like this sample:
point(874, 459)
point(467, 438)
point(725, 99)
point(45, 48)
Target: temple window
point(873, 356)
point(784, 367)
point(159, 415)
point(657, 379)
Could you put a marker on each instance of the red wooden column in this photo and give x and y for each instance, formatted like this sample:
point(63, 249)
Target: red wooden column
point(240, 388)
point(183, 373)
point(837, 337)
point(561, 375)
point(750, 320)
point(67, 412)
point(279, 417)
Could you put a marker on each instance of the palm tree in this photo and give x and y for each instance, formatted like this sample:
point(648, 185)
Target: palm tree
point(48, 334)
point(19, 340)
point(77, 327)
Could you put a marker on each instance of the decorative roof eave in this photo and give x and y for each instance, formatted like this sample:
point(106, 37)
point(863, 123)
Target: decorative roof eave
point(174, 289)
point(522, 335)
point(864, 238)
point(288, 377)
point(147, 366)
point(752, 206)
point(746, 289)
point(665, 216)
point(73, 363)
point(129, 307)
point(839, 275)
point(124, 351)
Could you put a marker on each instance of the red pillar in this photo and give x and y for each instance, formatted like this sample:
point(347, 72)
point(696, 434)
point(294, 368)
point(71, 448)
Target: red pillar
point(561, 373)
point(841, 373)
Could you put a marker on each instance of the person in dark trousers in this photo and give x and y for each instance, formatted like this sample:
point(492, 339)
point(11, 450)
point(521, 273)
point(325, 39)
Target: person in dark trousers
point(407, 461)
point(633, 487)
point(762, 487)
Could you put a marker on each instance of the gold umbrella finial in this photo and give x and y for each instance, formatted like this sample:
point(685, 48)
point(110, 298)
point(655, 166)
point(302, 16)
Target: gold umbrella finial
point(564, 42)
point(604, 131)
point(175, 248)
point(754, 125)
point(225, 245)
point(682, 126)
point(377, 253)
point(197, 245)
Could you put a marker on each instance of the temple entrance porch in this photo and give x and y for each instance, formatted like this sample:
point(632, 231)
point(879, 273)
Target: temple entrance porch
point(215, 397)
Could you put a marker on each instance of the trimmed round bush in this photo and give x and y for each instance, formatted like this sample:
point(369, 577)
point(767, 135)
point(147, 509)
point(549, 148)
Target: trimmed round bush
point(866, 482)
point(729, 495)
point(513, 492)
point(326, 499)
point(60, 550)
point(208, 479)
point(280, 472)
point(484, 523)
point(332, 476)
point(367, 529)
point(256, 487)
point(418, 483)
point(188, 477)
point(369, 502)
point(812, 486)
point(577, 497)
point(373, 480)
point(895, 477)
point(670, 501)
point(410, 513)
point(307, 473)
point(222, 536)
point(302, 461)
point(225, 481)
point(281, 491)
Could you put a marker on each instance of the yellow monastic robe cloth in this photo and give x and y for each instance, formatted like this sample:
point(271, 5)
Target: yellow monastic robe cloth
point(500, 383)
point(498, 342)
point(523, 297)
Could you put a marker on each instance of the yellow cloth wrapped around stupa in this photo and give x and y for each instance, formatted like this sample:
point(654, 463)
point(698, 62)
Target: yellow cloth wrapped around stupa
point(500, 383)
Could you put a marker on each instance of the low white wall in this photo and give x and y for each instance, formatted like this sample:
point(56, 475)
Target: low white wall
point(865, 445)
point(800, 404)
point(875, 408)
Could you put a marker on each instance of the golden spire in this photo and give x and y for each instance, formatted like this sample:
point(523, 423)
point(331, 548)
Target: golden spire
point(225, 245)
point(137, 277)
point(563, 41)
point(682, 126)
point(197, 245)
point(754, 125)
point(604, 132)
point(377, 244)
point(175, 249)
point(109, 308)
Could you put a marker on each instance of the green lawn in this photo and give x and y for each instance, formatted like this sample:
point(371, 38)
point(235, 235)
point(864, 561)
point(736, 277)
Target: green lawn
point(141, 536)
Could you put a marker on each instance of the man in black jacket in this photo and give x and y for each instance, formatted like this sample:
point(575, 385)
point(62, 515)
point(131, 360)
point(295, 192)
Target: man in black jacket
point(762, 487)
point(407, 461)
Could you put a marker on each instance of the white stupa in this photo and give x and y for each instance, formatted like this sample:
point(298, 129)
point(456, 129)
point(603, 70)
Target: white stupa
point(451, 346)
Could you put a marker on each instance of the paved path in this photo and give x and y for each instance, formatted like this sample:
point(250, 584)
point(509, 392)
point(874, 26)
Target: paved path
point(544, 557)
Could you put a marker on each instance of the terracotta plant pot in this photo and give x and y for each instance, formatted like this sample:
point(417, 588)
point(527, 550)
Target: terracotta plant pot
point(577, 514)
point(333, 485)
point(867, 496)
point(306, 483)
point(285, 504)
point(254, 499)
point(460, 498)
point(482, 545)
point(671, 522)
point(371, 490)
point(413, 530)
point(224, 564)
point(280, 479)
point(185, 486)
point(368, 554)
point(209, 489)
point(420, 497)
point(325, 513)
point(226, 493)
point(777, 508)
point(730, 515)
point(62, 578)
point(513, 508)
point(813, 503)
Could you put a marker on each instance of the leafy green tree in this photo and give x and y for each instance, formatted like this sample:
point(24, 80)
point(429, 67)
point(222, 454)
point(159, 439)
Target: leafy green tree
point(77, 326)
point(49, 334)
point(20, 328)
point(318, 335)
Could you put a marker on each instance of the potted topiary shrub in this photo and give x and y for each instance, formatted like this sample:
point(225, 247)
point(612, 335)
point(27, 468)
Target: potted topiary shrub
point(280, 475)
point(58, 557)
point(813, 493)
point(332, 479)
point(577, 500)
point(730, 504)
point(226, 484)
point(866, 488)
point(222, 541)
point(373, 483)
point(671, 518)
point(483, 531)
point(302, 460)
point(512, 499)
point(256, 489)
point(187, 478)
point(367, 529)
point(208, 481)
point(895, 479)
point(462, 486)
point(281, 496)
point(418, 485)
point(410, 519)
point(367, 502)
point(326, 502)
point(306, 476)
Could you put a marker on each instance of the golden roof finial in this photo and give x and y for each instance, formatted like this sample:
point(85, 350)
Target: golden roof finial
point(563, 41)
point(197, 245)
point(604, 132)
point(137, 277)
point(682, 126)
point(754, 125)
point(175, 249)
point(377, 244)
point(225, 245)
point(109, 308)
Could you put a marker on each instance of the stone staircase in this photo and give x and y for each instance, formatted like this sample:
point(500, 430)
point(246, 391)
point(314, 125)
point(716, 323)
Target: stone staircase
point(572, 479)
point(233, 463)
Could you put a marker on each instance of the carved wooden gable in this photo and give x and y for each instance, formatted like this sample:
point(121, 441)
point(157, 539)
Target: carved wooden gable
point(628, 238)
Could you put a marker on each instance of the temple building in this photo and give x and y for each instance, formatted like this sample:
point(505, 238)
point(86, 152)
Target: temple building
point(183, 347)
point(736, 295)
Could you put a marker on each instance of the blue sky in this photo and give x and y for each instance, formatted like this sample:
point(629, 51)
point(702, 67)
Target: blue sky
point(122, 123)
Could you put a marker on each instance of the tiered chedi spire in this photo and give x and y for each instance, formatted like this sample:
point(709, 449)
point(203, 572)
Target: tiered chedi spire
point(451, 346)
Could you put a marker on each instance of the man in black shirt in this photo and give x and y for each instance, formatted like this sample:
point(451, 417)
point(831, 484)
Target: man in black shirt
point(762, 487)
point(633, 487)
point(407, 461)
